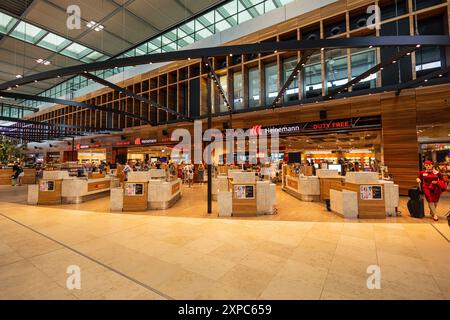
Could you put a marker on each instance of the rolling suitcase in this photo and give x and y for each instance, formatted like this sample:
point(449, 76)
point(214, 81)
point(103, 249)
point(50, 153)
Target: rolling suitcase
point(415, 204)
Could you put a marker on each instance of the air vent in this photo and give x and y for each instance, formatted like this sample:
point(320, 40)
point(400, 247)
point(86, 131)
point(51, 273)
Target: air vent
point(15, 7)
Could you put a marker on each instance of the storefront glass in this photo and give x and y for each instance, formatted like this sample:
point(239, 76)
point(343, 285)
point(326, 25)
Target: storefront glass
point(253, 88)
point(238, 88)
point(312, 77)
point(361, 61)
point(336, 68)
point(289, 66)
point(271, 83)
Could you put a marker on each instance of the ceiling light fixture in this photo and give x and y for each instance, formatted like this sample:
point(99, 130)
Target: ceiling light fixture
point(43, 61)
point(95, 26)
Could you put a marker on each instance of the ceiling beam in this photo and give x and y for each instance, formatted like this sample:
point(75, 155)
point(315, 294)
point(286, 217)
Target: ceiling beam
point(266, 47)
point(78, 104)
point(132, 95)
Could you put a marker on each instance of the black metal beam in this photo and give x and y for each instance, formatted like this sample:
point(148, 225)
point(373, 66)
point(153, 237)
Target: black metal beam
point(216, 80)
point(417, 82)
point(131, 94)
point(294, 74)
point(60, 125)
point(72, 103)
point(265, 47)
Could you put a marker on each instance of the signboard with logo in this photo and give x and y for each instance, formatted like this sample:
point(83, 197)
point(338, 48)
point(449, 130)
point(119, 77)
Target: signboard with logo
point(87, 146)
point(319, 126)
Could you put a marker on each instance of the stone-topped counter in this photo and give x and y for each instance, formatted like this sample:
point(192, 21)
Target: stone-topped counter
point(78, 190)
point(162, 194)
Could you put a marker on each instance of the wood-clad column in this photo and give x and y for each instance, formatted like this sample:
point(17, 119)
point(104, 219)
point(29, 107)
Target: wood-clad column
point(400, 146)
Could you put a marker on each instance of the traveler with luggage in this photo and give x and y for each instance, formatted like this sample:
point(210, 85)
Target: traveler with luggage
point(433, 184)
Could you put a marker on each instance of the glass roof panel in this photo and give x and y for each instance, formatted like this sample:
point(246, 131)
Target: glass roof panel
point(94, 56)
point(76, 50)
point(27, 32)
point(6, 22)
point(53, 41)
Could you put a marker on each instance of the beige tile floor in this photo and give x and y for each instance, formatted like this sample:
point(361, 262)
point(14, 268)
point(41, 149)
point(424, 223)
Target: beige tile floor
point(303, 252)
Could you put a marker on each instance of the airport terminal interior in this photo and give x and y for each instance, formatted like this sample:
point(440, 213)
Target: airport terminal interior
point(225, 149)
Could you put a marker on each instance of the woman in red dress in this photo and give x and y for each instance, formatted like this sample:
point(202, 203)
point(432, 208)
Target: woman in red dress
point(430, 180)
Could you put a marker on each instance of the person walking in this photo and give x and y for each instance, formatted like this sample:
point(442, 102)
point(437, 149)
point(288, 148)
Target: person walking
point(432, 183)
point(201, 172)
point(21, 175)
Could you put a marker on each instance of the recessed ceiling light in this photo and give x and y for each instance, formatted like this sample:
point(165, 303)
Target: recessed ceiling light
point(94, 26)
point(43, 61)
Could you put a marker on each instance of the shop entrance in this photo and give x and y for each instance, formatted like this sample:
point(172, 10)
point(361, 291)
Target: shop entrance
point(342, 151)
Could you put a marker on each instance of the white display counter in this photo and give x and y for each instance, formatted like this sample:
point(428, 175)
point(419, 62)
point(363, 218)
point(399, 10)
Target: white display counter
point(79, 190)
point(219, 184)
point(73, 190)
point(375, 199)
point(344, 203)
point(305, 188)
point(161, 194)
point(263, 203)
point(147, 175)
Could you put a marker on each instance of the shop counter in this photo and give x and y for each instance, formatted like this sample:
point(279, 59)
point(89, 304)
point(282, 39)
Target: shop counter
point(147, 175)
point(219, 184)
point(162, 194)
point(28, 178)
point(79, 190)
point(375, 199)
point(143, 195)
point(344, 203)
point(47, 192)
point(305, 188)
point(57, 187)
point(247, 198)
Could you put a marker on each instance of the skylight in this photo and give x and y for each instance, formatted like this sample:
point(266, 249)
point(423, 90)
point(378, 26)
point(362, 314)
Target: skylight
point(6, 22)
point(76, 50)
point(53, 42)
point(27, 32)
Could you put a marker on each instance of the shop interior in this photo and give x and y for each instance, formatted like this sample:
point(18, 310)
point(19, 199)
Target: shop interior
point(95, 156)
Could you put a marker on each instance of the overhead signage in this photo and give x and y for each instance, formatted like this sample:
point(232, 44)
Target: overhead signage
point(87, 146)
point(139, 141)
point(318, 126)
point(123, 143)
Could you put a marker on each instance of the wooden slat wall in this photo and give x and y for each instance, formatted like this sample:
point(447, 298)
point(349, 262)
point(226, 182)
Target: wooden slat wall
point(433, 105)
point(401, 152)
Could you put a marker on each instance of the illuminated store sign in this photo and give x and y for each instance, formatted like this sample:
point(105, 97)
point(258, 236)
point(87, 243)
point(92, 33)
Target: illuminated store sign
point(319, 126)
point(123, 143)
point(139, 141)
point(82, 147)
